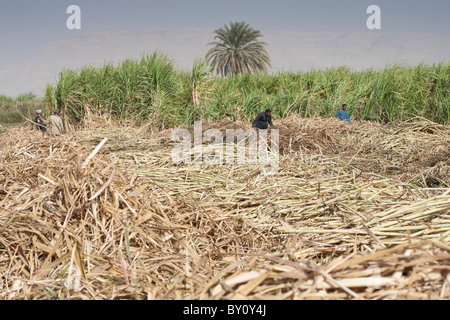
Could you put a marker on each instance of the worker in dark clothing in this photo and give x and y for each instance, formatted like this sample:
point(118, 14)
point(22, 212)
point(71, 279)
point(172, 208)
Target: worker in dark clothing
point(263, 119)
point(39, 123)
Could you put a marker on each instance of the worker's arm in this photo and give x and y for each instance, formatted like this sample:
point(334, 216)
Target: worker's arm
point(48, 123)
point(347, 117)
point(44, 121)
point(270, 121)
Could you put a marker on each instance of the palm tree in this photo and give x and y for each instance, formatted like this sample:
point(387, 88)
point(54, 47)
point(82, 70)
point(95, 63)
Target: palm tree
point(238, 50)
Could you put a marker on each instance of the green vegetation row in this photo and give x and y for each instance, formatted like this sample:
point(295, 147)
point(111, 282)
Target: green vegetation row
point(152, 89)
point(13, 110)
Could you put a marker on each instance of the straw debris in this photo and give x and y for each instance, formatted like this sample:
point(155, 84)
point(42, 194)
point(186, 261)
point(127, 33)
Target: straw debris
point(104, 213)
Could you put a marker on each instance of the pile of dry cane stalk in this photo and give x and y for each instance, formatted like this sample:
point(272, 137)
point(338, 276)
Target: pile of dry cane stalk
point(104, 213)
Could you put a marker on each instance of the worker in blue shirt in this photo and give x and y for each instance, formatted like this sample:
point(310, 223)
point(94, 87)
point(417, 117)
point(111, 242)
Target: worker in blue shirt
point(343, 114)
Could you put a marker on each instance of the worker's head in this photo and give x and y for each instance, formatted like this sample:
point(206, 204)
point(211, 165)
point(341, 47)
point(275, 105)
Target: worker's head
point(344, 107)
point(39, 112)
point(268, 112)
point(57, 111)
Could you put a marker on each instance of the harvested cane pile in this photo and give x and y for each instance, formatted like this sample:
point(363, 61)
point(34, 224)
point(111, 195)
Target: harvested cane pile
point(104, 213)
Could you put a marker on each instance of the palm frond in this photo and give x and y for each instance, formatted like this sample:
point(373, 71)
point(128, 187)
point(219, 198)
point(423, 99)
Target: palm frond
point(237, 50)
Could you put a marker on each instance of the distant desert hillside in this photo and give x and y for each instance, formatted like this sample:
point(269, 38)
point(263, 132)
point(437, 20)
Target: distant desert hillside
point(289, 51)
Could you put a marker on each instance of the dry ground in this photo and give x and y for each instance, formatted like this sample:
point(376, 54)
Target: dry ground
point(355, 211)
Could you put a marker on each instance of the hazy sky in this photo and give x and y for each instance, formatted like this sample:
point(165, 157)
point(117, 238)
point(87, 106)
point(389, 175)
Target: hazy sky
point(27, 25)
